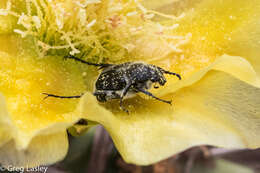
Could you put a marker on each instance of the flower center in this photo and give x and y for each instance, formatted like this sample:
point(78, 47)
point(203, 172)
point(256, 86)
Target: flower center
point(105, 31)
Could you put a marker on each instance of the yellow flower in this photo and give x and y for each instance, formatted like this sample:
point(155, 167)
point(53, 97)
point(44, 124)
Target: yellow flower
point(213, 44)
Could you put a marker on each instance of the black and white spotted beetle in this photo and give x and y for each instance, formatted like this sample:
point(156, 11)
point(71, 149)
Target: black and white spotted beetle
point(119, 81)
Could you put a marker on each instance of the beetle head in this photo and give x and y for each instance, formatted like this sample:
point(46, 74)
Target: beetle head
point(158, 77)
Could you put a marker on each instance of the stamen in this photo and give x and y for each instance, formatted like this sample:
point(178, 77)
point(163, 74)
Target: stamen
point(91, 23)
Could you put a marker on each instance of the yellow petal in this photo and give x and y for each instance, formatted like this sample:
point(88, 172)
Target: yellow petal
point(216, 27)
point(236, 66)
point(44, 149)
point(5, 123)
point(246, 41)
point(213, 23)
point(218, 110)
point(24, 112)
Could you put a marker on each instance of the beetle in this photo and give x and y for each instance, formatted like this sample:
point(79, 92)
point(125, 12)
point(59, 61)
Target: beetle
point(120, 81)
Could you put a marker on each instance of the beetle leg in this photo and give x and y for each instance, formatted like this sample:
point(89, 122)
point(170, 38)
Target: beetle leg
point(88, 63)
point(126, 89)
point(122, 107)
point(151, 95)
point(61, 97)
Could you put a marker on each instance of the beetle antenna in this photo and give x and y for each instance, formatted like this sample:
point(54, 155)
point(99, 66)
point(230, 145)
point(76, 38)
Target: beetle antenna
point(171, 73)
point(88, 63)
point(61, 97)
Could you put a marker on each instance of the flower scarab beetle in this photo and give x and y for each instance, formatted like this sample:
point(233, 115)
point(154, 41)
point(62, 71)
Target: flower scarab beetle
point(120, 81)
